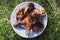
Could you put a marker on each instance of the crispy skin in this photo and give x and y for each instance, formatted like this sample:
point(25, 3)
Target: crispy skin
point(38, 24)
point(27, 22)
point(23, 12)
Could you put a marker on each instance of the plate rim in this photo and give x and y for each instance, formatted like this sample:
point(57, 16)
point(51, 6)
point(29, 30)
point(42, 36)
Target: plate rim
point(31, 2)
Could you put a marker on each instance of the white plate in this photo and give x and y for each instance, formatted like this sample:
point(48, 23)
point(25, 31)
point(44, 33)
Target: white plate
point(21, 31)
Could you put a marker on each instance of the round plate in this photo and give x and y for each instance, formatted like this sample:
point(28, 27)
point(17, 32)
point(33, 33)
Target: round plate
point(21, 30)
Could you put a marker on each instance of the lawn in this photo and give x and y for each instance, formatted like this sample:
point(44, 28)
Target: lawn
point(52, 31)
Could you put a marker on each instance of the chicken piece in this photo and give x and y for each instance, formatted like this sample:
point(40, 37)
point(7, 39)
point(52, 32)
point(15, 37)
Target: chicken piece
point(40, 12)
point(18, 24)
point(37, 27)
point(27, 22)
point(20, 14)
point(23, 12)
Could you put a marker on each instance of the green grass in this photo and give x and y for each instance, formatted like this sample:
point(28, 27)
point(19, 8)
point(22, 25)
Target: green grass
point(52, 31)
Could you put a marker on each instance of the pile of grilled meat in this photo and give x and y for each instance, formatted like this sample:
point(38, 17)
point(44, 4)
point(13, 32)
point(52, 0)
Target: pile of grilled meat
point(31, 17)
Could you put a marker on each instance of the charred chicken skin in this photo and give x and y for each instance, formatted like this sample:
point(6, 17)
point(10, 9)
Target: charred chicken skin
point(23, 12)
